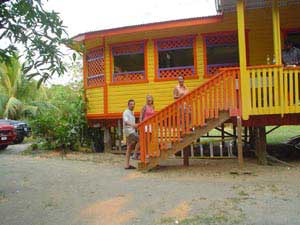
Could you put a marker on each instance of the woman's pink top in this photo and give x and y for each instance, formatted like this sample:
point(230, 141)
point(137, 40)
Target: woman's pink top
point(149, 111)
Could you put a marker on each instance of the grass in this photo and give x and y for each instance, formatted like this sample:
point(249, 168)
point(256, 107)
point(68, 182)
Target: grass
point(275, 137)
point(242, 193)
point(282, 133)
point(205, 219)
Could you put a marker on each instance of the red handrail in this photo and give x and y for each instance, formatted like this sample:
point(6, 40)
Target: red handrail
point(170, 124)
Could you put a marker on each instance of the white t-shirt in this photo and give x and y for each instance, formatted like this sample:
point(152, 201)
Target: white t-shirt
point(128, 116)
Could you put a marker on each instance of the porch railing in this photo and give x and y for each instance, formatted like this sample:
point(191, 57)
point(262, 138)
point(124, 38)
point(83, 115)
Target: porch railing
point(273, 90)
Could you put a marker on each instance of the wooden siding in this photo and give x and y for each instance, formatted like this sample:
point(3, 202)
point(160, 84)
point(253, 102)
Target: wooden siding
point(95, 100)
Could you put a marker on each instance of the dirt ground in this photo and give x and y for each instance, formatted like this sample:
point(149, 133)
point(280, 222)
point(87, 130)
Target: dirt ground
point(94, 189)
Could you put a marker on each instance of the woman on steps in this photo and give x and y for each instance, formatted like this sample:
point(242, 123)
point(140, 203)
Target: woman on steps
point(146, 112)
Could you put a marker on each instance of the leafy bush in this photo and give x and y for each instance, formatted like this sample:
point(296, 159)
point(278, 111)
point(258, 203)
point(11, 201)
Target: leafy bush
point(62, 126)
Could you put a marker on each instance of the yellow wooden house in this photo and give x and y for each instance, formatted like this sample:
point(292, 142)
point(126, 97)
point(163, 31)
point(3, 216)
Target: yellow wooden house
point(231, 63)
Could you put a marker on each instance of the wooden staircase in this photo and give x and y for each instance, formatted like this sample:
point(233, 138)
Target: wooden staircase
point(190, 117)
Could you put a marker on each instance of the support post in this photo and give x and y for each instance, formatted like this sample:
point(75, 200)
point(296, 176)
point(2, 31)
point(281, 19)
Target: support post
point(276, 32)
point(107, 140)
point(261, 145)
point(240, 144)
point(223, 135)
point(235, 137)
point(186, 156)
point(246, 134)
point(252, 137)
point(244, 80)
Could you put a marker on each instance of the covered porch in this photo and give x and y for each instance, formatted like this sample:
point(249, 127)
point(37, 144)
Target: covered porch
point(269, 88)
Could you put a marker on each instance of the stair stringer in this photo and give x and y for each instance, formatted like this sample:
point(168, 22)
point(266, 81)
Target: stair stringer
point(187, 140)
point(199, 131)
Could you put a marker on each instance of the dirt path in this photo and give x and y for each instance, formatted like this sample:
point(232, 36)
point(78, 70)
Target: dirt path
point(15, 149)
point(48, 190)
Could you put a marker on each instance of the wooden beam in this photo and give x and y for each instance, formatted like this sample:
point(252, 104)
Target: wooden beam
point(240, 144)
point(223, 135)
point(261, 145)
point(186, 156)
point(107, 140)
point(276, 32)
point(274, 128)
point(244, 80)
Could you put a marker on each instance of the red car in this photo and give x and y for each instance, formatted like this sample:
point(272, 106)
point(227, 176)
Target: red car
point(7, 135)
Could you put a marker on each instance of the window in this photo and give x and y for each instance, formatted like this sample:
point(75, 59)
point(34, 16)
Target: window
point(95, 67)
point(175, 56)
point(128, 62)
point(294, 37)
point(221, 51)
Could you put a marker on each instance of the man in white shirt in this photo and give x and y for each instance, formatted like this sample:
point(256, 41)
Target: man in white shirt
point(132, 137)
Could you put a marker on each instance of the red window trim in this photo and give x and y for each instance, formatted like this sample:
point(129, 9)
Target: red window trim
point(156, 64)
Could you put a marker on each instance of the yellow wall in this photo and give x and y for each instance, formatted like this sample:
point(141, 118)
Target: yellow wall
point(94, 98)
point(161, 91)
point(260, 43)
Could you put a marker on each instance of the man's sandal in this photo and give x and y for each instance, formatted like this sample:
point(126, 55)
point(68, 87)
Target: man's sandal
point(130, 167)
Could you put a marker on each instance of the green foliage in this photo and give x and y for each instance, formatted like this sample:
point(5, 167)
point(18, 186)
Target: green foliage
point(18, 95)
point(39, 33)
point(64, 125)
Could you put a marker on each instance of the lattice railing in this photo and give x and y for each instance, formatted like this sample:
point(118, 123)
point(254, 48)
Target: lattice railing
point(175, 43)
point(176, 120)
point(95, 80)
point(129, 48)
point(129, 76)
point(221, 39)
point(174, 72)
point(95, 67)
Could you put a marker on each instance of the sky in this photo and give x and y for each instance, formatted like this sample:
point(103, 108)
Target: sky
point(91, 15)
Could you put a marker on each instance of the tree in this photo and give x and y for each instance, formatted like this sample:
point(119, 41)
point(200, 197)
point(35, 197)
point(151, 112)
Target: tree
point(17, 94)
point(27, 24)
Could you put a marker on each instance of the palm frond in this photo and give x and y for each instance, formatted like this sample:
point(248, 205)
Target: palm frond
point(4, 79)
point(12, 108)
point(29, 111)
point(3, 101)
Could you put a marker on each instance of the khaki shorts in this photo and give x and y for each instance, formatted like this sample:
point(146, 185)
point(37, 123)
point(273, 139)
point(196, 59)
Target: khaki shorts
point(133, 138)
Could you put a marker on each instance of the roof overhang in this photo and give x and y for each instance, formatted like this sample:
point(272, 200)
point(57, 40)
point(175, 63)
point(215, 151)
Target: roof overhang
point(147, 27)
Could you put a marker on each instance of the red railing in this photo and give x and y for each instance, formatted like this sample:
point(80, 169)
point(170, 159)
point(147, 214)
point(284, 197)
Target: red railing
point(191, 111)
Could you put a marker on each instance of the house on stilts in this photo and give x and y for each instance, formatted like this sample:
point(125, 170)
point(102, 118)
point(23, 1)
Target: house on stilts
point(231, 62)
